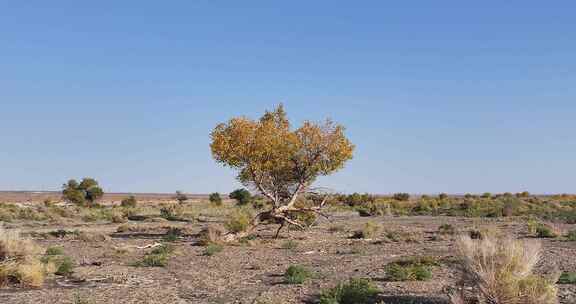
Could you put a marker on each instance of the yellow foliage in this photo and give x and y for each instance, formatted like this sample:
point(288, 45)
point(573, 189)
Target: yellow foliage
point(276, 160)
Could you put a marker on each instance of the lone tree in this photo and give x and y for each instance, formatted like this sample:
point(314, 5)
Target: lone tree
point(279, 162)
point(87, 191)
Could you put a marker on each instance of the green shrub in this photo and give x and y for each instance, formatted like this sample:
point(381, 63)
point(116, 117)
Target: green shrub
point(544, 231)
point(355, 291)
point(571, 235)
point(296, 274)
point(53, 250)
point(442, 196)
point(416, 272)
point(212, 249)
point(238, 221)
point(486, 195)
point(153, 260)
point(401, 197)
point(411, 269)
point(215, 199)
point(242, 196)
point(567, 278)
point(158, 257)
point(447, 229)
point(173, 234)
point(129, 202)
point(64, 265)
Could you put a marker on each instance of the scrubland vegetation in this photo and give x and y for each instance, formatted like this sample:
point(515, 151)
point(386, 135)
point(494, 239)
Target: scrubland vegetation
point(285, 241)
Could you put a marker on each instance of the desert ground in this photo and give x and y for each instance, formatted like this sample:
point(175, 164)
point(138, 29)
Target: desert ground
point(107, 255)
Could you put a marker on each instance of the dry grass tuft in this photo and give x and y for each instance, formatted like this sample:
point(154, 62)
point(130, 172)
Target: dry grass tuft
point(19, 260)
point(211, 235)
point(500, 271)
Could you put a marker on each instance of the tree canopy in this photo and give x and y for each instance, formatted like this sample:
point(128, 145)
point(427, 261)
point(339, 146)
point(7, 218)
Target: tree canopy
point(280, 162)
point(88, 190)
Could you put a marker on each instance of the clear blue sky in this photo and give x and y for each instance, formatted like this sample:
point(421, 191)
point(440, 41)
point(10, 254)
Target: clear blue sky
point(438, 96)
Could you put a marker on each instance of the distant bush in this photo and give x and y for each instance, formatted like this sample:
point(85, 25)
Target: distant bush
point(171, 212)
point(296, 274)
point(355, 291)
point(442, 196)
point(356, 199)
point(242, 196)
point(401, 197)
point(129, 202)
point(180, 197)
point(215, 199)
point(486, 195)
point(86, 192)
point(523, 194)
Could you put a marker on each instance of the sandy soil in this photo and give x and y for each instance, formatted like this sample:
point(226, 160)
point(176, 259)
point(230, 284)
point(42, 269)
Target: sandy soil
point(252, 272)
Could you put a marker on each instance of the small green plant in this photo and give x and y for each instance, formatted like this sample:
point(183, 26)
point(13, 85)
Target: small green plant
point(355, 291)
point(173, 234)
point(447, 229)
point(215, 199)
point(64, 265)
point(53, 250)
point(158, 257)
point(289, 244)
point(571, 235)
point(212, 249)
point(567, 278)
point(129, 202)
point(410, 272)
point(296, 274)
point(544, 231)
